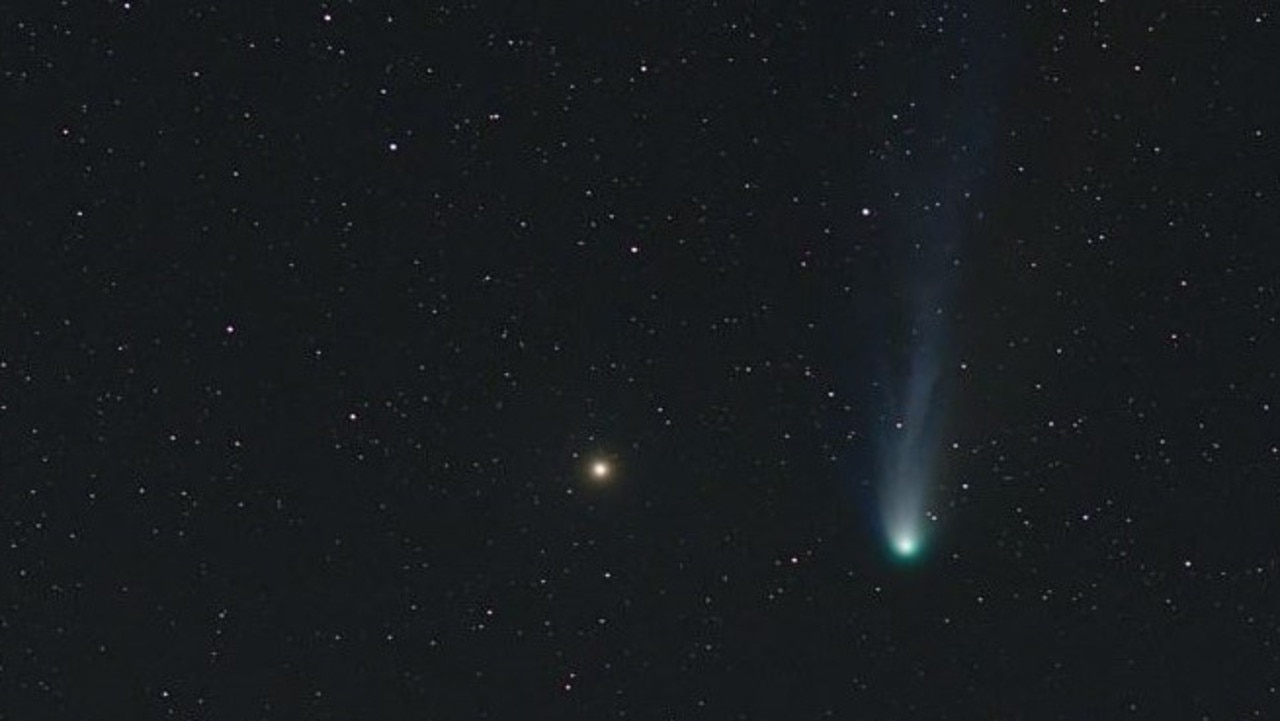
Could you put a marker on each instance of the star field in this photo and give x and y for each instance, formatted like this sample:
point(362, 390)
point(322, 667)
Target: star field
point(434, 361)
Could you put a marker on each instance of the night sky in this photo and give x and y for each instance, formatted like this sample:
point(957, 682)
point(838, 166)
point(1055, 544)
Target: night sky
point(699, 360)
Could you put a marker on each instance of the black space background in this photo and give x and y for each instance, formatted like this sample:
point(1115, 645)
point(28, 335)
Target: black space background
point(313, 317)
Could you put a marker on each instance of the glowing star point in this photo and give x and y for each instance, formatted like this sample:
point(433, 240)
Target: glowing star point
point(600, 470)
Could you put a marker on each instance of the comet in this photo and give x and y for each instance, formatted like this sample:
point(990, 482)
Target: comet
point(911, 446)
point(936, 207)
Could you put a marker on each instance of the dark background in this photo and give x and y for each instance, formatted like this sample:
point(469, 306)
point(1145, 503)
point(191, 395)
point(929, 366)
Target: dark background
point(313, 317)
